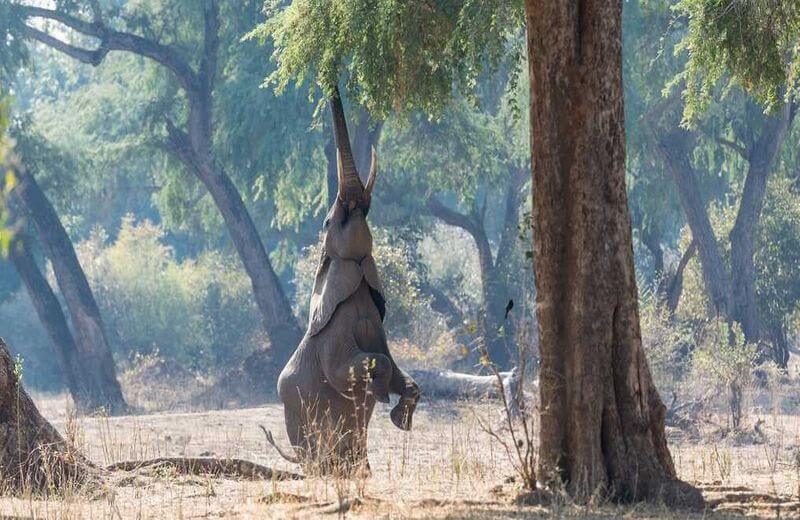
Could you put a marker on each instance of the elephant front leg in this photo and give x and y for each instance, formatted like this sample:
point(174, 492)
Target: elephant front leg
point(349, 370)
point(403, 385)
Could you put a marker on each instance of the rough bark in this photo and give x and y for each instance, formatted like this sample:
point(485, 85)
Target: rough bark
point(98, 373)
point(33, 456)
point(50, 313)
point(602, 421)
point(193, 145)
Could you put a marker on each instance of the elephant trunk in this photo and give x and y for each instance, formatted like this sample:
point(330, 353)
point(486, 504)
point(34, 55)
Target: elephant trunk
point(350, 187)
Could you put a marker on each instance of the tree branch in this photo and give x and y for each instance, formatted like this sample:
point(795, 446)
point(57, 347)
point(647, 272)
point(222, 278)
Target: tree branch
point(110, 40)
point(89, 56)
point(451, 217)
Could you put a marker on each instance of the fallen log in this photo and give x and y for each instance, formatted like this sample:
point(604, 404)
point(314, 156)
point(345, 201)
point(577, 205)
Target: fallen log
point(230, 468)
point(446, 384)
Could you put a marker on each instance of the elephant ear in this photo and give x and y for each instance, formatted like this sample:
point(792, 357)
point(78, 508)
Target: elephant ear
point(370, 271)
point(336, 280)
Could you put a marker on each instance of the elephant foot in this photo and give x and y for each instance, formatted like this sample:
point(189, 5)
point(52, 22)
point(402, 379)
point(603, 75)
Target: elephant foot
point(402, 414)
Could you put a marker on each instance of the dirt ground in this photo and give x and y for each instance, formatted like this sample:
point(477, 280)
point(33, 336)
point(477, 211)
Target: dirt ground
point(446, 468)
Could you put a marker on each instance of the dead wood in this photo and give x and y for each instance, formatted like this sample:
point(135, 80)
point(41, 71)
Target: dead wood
point(233, 468)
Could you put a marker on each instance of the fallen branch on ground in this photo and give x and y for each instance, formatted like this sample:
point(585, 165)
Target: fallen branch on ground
point(236, 468)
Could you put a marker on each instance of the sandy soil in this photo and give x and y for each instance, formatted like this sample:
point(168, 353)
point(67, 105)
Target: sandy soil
point(446, 468)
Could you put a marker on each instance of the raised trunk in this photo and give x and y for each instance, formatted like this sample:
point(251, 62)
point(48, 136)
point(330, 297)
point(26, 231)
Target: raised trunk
point(761, 159)
point(602, 421)
point(34, 458)
point(99, 375)
point(365, 134)
point(50, 313)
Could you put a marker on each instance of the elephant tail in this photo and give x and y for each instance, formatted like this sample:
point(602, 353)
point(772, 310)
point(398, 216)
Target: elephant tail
point(294, 459)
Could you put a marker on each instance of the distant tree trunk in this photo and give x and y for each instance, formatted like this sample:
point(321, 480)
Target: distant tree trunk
point(651, 238)
point(443, 305)
point(498, 332)
point(602, 421)
point(99, 375)
point(733, 295)
point(674, 287)
point(33, 456)
point(49, 311)
point(676, 149)
point(762, 157)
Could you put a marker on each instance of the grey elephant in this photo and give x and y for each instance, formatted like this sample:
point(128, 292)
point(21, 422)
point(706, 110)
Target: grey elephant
point(343, 365)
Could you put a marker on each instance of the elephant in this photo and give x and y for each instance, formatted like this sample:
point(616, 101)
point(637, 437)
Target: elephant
point(343, 365)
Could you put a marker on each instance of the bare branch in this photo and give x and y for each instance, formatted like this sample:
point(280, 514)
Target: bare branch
point(110, 40)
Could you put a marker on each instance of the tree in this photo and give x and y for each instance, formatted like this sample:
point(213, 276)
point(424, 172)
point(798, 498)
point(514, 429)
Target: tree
point(97, 373)
point(601, 428)
point(192, 142)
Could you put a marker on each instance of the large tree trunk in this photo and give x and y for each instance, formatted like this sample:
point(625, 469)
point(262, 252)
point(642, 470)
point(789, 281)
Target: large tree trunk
point(50, 313)
point(99, 375)
point(602, 421)
point(33, 456)
point(761, 160)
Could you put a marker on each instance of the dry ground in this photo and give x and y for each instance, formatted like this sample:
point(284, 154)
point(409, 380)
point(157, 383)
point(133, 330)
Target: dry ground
point(446, 468)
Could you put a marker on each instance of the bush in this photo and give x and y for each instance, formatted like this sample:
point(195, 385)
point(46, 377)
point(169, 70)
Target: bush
point(198, 312)
point(667, 343)
point(723, 362)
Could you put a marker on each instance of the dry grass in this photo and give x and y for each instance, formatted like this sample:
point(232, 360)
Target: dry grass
point(446, 468)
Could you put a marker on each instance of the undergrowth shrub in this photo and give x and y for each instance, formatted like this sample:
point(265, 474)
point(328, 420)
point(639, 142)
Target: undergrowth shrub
point(198, 312)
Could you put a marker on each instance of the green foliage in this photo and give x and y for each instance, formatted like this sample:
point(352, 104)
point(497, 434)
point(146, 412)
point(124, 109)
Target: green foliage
point(722, 357)
point(753, 44)
point(197, 312)
point(396, 55)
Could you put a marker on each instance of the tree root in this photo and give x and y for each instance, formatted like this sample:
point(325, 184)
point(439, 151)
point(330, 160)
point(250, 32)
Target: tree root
point(235, 468)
